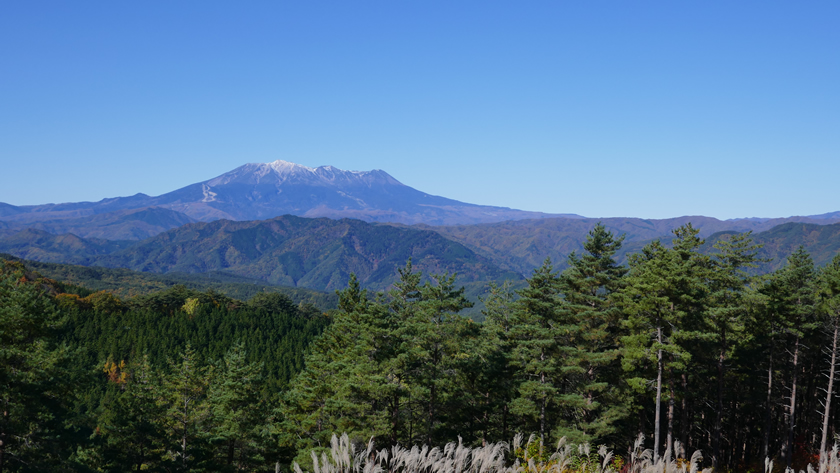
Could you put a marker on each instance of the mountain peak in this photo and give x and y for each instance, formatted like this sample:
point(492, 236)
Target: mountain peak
point(285, 167)
point(266, 190)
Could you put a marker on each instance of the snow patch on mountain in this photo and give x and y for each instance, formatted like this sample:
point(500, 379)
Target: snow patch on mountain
point(209, 196)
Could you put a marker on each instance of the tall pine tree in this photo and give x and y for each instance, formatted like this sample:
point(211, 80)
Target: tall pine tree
point(535, 322)
point(591, 320)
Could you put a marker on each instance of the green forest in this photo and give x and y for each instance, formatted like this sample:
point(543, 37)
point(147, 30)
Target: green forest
point(691, 349)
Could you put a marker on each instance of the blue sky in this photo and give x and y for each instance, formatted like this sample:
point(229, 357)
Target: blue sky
point(644, 109)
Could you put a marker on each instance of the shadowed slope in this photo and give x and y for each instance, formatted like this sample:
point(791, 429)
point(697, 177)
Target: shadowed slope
point(294, 251)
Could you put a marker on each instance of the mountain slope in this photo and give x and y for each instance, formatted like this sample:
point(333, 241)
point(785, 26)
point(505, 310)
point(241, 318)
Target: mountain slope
point(522, 245)
point(126, 283)
point(261, 191)
point(39, 245)
point(132, 224)
point(294, 251)
point(822, 242)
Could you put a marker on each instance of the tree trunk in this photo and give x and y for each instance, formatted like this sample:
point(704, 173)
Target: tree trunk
point(410, 409)
point(791, 411)
point(684, 414)
point(719, 413)
point(830, 391)
point(431, 413)
point(395, 415)
point(3, 423)
point(542, 404)
point(768, 413)
point(669, 439)
point(433, 395)
point(184, 436)
point(485, 419)
point(142, 457)
point(656, 418)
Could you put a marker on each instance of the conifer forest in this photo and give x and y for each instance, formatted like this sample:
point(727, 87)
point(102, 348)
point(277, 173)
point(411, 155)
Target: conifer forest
point(679, 360)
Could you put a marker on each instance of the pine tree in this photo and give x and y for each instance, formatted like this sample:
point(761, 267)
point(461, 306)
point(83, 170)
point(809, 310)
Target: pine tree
point(664, 301)
point(791, 296)
point(727, 312)
point(35, 381)
point(591, 324)
point(433, 333)
point(185, 388)
point(344, 386)
point(534, 350)
point(829, 308)
point(132, 424)
point(237, 411)
point(491, 373)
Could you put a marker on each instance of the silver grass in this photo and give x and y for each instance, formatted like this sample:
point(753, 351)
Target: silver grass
point(673, 461)
point(455, 457)
point(830, 461)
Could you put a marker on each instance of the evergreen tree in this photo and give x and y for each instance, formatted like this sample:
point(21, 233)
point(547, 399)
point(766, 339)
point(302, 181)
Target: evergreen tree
point(535, 350)
point(237, 411)
point(273, 302)
point(132, 421)
point(726, 313)
point(36, 383)
point(491, 374)
point(792, 293)
point(185, 390)
point(591, 324)
point(664, 301)
point(433, 333)
point(343, 386)
point(829, 307)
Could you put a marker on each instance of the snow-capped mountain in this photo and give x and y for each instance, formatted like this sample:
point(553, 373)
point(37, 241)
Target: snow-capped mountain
point(265, 190)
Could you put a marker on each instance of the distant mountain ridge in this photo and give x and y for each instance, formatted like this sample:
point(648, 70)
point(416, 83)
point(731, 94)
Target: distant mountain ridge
point(292, 251)
point(129, 224)
point(321, 253)
point(523, 244)
point(259, 191)
point(822, 242)
point(258, 213)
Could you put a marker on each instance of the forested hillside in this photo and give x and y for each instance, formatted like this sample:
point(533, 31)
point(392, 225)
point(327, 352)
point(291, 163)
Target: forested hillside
point(126, 283)
point(294, 251)
point(40, 245)
point(822, 242)
point(681, 344)
point(175, 380)
point(522, 245)
point(132, 224)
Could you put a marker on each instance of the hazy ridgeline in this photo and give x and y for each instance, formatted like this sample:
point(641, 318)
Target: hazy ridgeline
point(688, 349)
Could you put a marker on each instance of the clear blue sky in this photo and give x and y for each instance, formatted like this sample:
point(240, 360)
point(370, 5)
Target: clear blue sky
point(647, 109)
